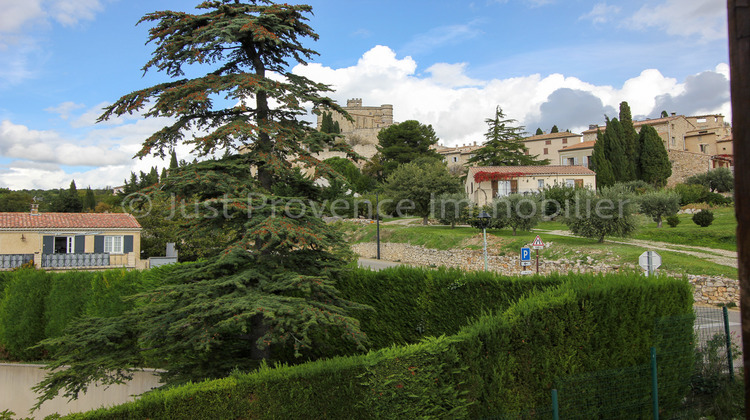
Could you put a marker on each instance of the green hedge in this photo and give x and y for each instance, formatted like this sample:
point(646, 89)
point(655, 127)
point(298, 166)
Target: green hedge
point(37, 304)
point(503, 363)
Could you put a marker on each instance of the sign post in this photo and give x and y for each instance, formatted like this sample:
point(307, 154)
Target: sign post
point(537, 244)
point(525, 260)
point(650, 261)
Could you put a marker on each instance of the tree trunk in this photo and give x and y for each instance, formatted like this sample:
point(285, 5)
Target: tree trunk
point(258, 328)
point(658, 222)
point(425, 220)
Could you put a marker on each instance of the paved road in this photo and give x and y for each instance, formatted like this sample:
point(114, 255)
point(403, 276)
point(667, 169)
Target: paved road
point(376, 264)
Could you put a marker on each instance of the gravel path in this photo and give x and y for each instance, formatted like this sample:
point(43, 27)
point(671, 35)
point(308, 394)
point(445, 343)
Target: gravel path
point(718, 256)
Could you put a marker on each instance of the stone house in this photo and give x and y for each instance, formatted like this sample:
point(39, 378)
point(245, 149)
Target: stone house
point(577, 154)
point(485, 183)
point(547, 146)
point(59, 241)
point(457, 158)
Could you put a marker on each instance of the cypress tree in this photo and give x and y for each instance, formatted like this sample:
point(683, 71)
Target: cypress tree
point(602, 166)
point(655, 165)
point(173, 160)
point(539, 132)
point(630, 143)
point(89, 200)
point(554, 129)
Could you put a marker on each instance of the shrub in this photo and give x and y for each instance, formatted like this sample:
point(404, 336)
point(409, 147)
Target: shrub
point(22, 313)
point(703, 218)
point(556, 199)
point(673, 220)
point(598, 215)
point(637, 187)
point(690, 193)
point(66, 300)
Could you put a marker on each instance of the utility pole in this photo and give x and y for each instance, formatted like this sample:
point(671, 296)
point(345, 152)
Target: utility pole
point(739, 68)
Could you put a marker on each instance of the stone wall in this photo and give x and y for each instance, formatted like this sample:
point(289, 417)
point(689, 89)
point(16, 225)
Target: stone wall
point(708, 289)
point(686, 164)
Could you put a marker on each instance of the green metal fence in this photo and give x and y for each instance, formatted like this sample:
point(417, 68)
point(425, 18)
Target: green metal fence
point(697, 362)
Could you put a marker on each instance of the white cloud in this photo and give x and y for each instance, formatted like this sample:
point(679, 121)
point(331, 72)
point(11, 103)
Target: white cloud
point(601, 13)
point(65, 109)
point(441, 36)
point(457, 110)
point(704, 19)
point(19, 13)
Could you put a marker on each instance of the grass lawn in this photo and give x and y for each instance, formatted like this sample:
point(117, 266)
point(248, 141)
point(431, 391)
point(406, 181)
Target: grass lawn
point(722, 234)
point(502, 242)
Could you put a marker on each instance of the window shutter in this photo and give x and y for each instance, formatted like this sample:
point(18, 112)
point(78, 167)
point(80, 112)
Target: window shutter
point(80, 244)
point(127, 245)
point(48, 245)
point(98, 243)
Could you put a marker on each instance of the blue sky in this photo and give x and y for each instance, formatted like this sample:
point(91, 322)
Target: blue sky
point(445, 63)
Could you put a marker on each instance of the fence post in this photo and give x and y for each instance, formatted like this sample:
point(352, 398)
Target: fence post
point(654, 385)
point(555, 406)
point(730, 362)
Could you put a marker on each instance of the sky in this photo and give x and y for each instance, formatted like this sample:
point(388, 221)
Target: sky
point(447, 63)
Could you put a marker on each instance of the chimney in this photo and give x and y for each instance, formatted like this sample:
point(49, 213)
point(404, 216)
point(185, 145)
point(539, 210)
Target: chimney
point(593, 126)
point(674, 113)
point(35, 208)
point(475, 143)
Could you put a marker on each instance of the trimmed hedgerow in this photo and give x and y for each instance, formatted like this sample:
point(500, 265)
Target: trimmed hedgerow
point(503, 363)
point(22, 313)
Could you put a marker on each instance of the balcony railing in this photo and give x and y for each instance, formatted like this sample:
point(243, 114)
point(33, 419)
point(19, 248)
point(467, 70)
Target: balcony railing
point(75, 260)
point(10, 261)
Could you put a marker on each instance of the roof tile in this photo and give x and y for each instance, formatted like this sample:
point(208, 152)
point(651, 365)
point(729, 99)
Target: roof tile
point(68, 221)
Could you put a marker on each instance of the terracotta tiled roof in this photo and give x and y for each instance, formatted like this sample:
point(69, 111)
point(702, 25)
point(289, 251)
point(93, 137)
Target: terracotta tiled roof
point(534, 170)
point(583, 145)
point(548, 136)
point(68, 221)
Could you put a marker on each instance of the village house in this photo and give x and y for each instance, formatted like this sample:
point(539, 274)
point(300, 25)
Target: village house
point(547, 146)
point(59, 241)
point(485, 183)
point(457, 158)
point(577, 154)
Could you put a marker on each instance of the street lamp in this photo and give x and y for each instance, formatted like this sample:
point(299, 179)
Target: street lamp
point(484, 222)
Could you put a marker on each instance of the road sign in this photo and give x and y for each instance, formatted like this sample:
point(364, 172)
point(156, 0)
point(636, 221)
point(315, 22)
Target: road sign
point(537, 244)
point(650, 261)
point(525, 254)
point(525, 263)
point(527, 272)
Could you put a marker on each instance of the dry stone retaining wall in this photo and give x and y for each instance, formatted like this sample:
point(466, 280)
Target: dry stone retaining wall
point(707, 289)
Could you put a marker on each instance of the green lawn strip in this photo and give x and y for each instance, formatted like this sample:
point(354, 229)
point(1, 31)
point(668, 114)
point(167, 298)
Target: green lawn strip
point(722, 234)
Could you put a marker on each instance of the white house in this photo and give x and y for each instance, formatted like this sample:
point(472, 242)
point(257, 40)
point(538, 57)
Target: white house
point(484, 183)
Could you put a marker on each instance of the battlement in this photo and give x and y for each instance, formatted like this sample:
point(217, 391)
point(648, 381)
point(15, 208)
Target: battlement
point(354, 103)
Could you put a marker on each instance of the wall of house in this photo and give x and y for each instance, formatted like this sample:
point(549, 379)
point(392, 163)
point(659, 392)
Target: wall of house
point(552, 146)
point(686, 164)
point(481, 193)
point(29, 242)
point(582, 157)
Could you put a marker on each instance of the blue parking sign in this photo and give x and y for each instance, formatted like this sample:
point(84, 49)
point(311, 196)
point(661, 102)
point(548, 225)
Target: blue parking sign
point(525, 254)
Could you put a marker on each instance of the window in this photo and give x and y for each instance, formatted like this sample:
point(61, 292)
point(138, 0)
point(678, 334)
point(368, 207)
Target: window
point(541, 184)
point(113, 244)
point(455, 159)
point(565, 141)
point(64, 245)
point(571, 161)
point(548, 142)
point(674, 142)
point(704, 148)
point(570, 182)
point(546, 151)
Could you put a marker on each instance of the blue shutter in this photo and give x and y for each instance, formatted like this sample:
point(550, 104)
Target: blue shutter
point(127, 244)
point(98, 244)
point(48, 245)
point(80, 244)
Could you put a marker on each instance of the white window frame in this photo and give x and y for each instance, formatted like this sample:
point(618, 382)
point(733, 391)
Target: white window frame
point(541, 184)
point(114, 244)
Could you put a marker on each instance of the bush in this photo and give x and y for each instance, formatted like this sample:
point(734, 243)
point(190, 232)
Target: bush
point(22, 313)
point(637, 187)
point(501, 363)
point(659, 204)
point(556, 199)
point(673, 220)
point(703, 218)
